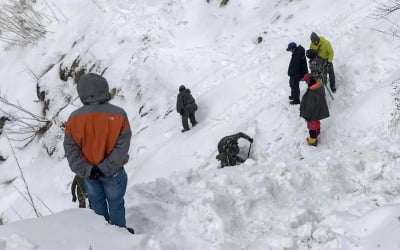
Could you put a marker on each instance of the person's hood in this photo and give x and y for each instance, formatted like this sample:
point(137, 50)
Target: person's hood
point(184, 91)
point(93, 88)
point(299, 50)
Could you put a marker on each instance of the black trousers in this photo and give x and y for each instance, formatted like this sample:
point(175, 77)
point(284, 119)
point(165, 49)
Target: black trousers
point(230, 160)
point(185, 122)
point(295, 89)
point(331, 73)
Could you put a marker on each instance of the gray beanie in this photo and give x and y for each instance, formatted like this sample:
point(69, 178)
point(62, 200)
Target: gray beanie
point(314, 37)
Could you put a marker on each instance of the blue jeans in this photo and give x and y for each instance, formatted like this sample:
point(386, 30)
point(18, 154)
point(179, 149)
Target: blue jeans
point(106, 197)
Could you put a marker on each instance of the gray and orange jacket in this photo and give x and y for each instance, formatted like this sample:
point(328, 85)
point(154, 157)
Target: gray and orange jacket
point(97, 133)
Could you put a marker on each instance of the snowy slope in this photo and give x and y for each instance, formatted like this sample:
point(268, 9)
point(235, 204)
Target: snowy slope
point(287, 196)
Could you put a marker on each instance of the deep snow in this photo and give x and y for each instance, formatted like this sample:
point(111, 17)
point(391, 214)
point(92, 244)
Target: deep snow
point(341, 195)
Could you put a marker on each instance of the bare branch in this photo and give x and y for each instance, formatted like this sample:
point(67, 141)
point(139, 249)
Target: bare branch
point(30, 201)
point(23, 125)
point(20, 24)
point(385, 9)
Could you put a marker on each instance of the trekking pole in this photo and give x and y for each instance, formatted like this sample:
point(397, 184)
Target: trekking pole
point(329, 91)
point(248, 154)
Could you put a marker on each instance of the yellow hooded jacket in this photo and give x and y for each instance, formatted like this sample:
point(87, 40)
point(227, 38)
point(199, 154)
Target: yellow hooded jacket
point(324, 49)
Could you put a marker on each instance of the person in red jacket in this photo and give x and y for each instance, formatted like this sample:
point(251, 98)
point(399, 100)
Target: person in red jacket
point(96, 144)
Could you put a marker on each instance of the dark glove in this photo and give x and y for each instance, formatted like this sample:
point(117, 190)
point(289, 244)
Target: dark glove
point(328, 65)
point(95, 173)
point(251, 140)
point(74, 198)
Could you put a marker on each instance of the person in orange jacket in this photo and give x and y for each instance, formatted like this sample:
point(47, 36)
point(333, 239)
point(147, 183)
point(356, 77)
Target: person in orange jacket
point(96, 143)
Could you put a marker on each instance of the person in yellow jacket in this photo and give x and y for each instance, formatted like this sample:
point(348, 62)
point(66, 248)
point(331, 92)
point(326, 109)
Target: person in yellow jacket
point(324, 50)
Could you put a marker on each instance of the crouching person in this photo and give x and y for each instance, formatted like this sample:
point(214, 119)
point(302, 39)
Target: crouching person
point(313, 108)
point(96, 144)
point(228, 149)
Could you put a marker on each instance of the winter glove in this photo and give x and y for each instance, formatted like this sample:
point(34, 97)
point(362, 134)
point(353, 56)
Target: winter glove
point(221, 156)
point(328, 65)
point(95, 173)
point(251, 140)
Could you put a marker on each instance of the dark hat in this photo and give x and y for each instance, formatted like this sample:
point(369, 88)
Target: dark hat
point(314, 37)
point(182, 87)
point(311, 54)
point(291, 45)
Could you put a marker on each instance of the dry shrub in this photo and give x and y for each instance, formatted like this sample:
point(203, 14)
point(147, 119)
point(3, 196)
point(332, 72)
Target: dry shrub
point(20, 23)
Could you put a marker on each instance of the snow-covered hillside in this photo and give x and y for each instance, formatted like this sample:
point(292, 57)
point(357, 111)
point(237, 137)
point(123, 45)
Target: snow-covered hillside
point(343, 194)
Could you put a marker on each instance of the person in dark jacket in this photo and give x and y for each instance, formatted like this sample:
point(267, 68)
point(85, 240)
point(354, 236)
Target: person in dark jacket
point(96, 143)
point(78, 188)
point(297, 69)
point(317, 66)
point(186, 106)
point(313, 108)
point(228, 149)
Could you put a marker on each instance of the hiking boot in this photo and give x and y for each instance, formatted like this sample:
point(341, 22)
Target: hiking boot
point(184, 130)
point(333, 88)
point(290, 97)
point(194, 124)
point(312, 141)
point(294, 102)
point(130, 230)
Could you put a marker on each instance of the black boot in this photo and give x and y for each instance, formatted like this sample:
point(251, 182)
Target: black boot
point(130, 230)
point(294, 102)
point(82, 204)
